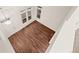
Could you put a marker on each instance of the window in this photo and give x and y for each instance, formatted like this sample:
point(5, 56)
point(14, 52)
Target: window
point(29, 13)
point(39, 12)
point(23, 16)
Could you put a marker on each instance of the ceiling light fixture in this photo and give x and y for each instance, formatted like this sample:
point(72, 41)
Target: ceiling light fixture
point(5, 19)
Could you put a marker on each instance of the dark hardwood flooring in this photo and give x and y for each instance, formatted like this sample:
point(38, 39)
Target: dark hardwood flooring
point(34, 38)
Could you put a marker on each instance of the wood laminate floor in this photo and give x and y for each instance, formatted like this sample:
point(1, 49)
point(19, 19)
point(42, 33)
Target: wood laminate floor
point(34, 38)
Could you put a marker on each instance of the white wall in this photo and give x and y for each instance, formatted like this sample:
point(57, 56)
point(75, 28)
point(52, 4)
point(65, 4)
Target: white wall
point(53, 16)
point(65, 39)
point(5, 46)
point(16, 25)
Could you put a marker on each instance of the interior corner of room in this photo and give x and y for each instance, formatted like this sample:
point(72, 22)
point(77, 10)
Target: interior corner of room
point(37, 29)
